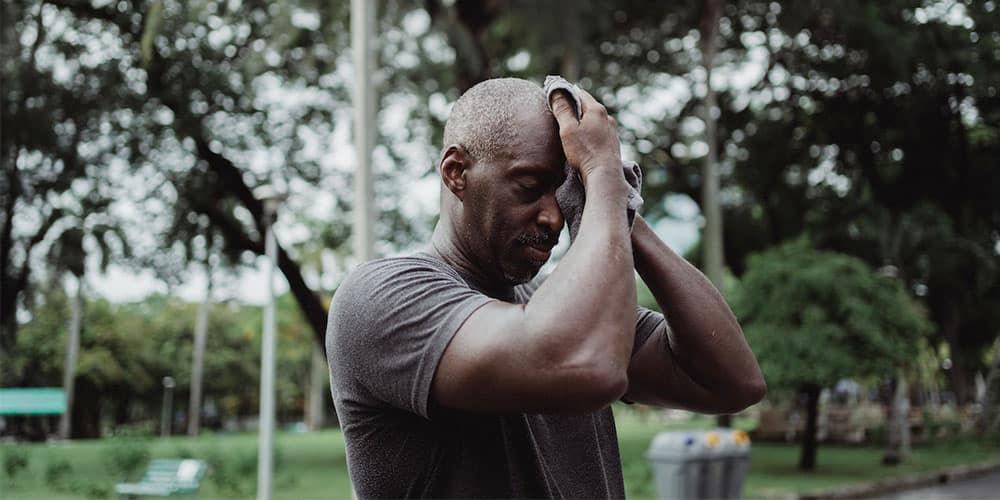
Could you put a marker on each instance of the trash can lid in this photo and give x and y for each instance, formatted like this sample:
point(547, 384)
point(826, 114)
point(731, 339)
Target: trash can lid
point(681, 445)
point(731, 442)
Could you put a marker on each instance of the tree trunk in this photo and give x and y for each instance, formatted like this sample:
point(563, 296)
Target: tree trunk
point(984, 421)
point(898, 448)
point(198, 358)
point(958, 376)
point(465, 23)
point(807, 460)
point(572, 39)
point(72, 353)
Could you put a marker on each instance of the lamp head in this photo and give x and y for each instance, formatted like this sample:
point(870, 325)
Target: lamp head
point(270, 197)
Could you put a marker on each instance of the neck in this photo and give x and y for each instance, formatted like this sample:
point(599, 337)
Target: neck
point(455, 252)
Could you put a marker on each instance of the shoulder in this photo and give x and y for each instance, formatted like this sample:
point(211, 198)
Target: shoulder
point(375, 277)
point(383, 291)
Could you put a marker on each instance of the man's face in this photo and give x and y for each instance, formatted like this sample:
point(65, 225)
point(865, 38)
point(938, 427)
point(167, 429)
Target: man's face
point(510, 205)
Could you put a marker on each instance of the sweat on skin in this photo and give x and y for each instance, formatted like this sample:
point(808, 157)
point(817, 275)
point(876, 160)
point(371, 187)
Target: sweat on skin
point(457, 372)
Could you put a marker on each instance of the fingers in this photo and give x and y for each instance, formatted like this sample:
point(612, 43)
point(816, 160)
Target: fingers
point(563, 109)
point(590, 104)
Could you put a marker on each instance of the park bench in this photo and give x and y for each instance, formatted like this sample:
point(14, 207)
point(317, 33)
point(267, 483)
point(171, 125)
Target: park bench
point(165, 478)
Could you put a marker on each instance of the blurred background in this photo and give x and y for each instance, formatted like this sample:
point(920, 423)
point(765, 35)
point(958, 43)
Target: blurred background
point(831, 165)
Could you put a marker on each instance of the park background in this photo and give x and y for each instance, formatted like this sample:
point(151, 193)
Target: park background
point(855, 144)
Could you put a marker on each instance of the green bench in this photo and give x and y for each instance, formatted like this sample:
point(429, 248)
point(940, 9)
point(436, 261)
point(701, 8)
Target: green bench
point(165, 478)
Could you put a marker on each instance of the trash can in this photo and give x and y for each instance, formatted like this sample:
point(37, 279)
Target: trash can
point(736, 450)
point(715, 448)
point(699, 464)
point(679, 460)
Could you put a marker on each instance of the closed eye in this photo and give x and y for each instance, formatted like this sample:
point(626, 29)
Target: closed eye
point(529, 185)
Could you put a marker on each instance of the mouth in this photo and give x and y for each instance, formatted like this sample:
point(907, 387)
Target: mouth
point(538, 246)
point(538, 251)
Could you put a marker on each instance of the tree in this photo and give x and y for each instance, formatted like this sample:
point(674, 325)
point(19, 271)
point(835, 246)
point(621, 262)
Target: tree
point(816, 317)
point(190, 97)
point(126, 349)
point(50, 147)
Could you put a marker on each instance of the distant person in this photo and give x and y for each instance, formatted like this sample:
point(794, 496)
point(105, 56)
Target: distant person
point(455, 374)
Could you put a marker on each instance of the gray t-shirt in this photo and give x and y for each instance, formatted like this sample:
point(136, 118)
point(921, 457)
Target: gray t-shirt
point(390, 322)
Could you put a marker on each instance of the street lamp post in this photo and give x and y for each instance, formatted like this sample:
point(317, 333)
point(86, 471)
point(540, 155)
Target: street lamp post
point(270, 198)
point(362, 45)
point(166, 418)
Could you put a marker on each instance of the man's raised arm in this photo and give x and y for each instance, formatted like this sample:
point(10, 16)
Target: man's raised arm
point(700, 361)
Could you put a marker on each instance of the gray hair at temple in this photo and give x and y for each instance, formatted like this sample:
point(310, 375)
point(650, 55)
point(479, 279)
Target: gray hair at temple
point(482, 120)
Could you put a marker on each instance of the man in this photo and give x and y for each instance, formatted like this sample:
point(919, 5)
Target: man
point(455, 375)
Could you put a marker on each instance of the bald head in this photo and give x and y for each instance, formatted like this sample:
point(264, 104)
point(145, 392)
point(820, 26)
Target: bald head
point(484, 119)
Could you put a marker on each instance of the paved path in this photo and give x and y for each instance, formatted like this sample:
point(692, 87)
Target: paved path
point(979, 487)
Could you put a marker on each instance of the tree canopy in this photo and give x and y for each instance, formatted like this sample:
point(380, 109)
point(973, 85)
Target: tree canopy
point(815, 317)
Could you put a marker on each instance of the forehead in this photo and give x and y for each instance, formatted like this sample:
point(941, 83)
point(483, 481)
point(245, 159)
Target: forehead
point(535, 143)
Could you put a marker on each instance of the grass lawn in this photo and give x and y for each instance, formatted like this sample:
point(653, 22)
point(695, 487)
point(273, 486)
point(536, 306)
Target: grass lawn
point(312, 465)
point(773, 468)
point(306, 466)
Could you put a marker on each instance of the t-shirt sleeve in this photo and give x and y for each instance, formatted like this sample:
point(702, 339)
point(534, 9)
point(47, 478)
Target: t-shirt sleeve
point(647, 322)
point(390, 322)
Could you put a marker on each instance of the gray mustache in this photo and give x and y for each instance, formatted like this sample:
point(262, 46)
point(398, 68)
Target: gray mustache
point(543, 238)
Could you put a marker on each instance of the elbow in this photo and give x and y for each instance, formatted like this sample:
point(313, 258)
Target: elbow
point(586, 376)
point(591, 385)
point(744, 395)
point(753, 391)
point(591, 392)
point(602, 387)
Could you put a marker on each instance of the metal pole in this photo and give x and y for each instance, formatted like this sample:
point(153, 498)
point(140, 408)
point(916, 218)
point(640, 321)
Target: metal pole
point(72, 353)
point(265, 462)
point(712, 255)
point(712, 234)
point(317, 390)
point(362, 41)
point(198, 358)
point(167, 416)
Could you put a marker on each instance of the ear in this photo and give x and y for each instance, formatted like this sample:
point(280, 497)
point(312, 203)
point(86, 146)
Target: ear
point(454, 163)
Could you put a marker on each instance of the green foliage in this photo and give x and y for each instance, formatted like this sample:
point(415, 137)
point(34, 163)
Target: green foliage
point(232, 470)
point(59, 474)
point(127, 457)
point(15, 460)
point(126, 350)
point(314, 467)
point(814, 317)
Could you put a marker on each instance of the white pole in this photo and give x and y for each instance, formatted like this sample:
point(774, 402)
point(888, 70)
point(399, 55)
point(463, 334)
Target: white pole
point(317, 390)
point(72, 353)
point(362, 42)
point(198, 357)
point(265, 462)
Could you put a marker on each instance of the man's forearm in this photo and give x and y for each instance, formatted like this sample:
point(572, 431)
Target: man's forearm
point(704, 336)
point(588, 302)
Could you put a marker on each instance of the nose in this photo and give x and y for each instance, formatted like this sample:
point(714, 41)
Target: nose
point(549, 214)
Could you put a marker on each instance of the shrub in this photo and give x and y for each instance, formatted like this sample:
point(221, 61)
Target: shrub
point(233, 474)
point(15, 460)
point(89, 488)
point(126, 457)
point(57, 474)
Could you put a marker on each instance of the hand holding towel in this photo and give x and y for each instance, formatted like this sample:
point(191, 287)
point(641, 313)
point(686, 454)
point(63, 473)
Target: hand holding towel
point(571, 195)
